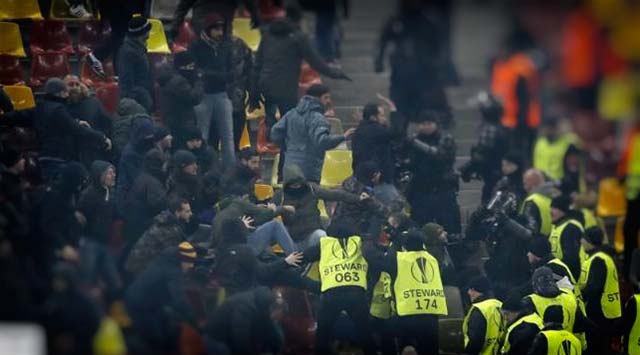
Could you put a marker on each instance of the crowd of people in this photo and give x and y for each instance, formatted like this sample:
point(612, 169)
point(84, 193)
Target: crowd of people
point(116, 229)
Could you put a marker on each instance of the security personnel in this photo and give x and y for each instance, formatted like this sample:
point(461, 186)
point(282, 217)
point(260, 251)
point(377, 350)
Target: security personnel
point(515, 80)
point(551, 148)
point(547, 294)
point(522, 326)
point(343, 280)
point(629, 170)
point(565, 234)
point(600, 289)
point(631, 326)
point(483, 325)
point(553, 339)
point(536, 207)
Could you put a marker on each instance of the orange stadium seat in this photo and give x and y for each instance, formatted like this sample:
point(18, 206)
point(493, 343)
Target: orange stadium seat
point(48, 65)
point(10, 70)
point(50, 36)
point(263, 146)
point(186, 35)
point(11, 40)
point(109, 94)
point(20, 9)
point(92, 34)
point(263, 192)
point(245, 140)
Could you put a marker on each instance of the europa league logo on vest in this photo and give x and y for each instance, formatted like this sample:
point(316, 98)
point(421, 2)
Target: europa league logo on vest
point(566, 348)
point(345, 249)
point(422, 271)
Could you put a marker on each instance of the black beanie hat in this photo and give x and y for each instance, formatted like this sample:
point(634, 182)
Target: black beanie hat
point(160, 132)
point(191, 133)
point(428, 116)
point(513, 303)
point(9, 157)
point(139, 26)
point(317, 90)
point(183, 158)
point(540, 247)
point(563, 203)
point(480, 284)
point(594, 235)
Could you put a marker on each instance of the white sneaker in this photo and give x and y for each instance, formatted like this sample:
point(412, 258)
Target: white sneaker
point(79, 11)
point(96, 65)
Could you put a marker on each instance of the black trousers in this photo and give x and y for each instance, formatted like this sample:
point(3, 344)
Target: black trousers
point(631, 229)
point(438, 206)
point(353, 301)
point(419, 331)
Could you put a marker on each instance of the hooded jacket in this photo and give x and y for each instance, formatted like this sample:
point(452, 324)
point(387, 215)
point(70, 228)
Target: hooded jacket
point(147, 196)
point(306, 134)
point(165, 232)
point(282, 49)
point(97, 204)
point(178, 97)
point(372, 142)
point(129, 111)
point(141, 141)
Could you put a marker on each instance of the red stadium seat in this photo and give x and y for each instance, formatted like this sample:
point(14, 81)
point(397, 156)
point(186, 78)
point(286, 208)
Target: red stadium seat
point(268, 11)
point(50, 36)
point(48, 65)
point(92, 34)
point(10, 71)
point(109, 94)
point(90, 78)
point(186, 35)
point(263, 146)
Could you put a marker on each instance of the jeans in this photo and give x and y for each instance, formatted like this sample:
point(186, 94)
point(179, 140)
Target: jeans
point(271, 233)
point(313, 239)
point(217, 108)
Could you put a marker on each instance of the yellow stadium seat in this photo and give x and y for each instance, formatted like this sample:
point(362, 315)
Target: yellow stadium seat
point(617, 96)
point(157, 42)
point(245, 141)
point(263, 192)
point(21, 96)
point(20, 9)
point(336, 167)
point(60, 11)
point(11, 40)
point(274, 171)
point(611, 199)
point(255, 114)
point(323, 209)
point(242, 29)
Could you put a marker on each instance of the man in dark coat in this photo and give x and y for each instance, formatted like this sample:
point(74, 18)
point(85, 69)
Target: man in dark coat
point(201, 9)
point(185, 181)
point(133, 68)
point(167, 230)
point(282, 49)
point(131, 160)
point(146, 198)
point(433, 189)
point(205, 154)
point(157, 300)
point(180, 91)
point(58, 132)
point(85, 107)
point(372, 141)
point(97, 203)
point(127, 114)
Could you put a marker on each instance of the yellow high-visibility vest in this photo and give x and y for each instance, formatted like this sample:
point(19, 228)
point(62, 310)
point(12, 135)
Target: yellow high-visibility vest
point(381, 298)
point(544, 208)
point(565, 299)
point(556, 234)
point(562, 342)
point(418, 287)
point(548, 157)
point(574, 282)
point(632, 342)
point(610, 299)
point(532, 318)
point(490, 310)
point(342, 263)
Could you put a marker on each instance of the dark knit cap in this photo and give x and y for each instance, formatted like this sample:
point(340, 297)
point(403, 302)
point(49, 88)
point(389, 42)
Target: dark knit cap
point(480, 284)
point(594, 235)
point(139, 26)
point(562, 202)
point(317, 90)
point(428, 116)
point(183, 158)
point(213, 19)
point(540, 247)
point(191, 133)
point(54, 86)
point(160, 132)
point(513, 303)
point(9, 157)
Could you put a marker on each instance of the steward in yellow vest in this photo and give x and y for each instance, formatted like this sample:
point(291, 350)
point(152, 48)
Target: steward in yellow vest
point(343, 279)
point(483, 326)
point(553, 339)
point(522, 326)
point(600, 290)
point(565, 234)
point(631, 326)
point(551, 148)
point(536, 207)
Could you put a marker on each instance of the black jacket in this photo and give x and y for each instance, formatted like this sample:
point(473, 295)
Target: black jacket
point(90, 109)
point(240, 270)
point(128, 113)
point(132, 158)
point(215, 61)
point(188, 187)
point(58, 132)
point(202, 8)
point(282, 49)
point(522, 336)
point(431, 162)
point(178, 96)
point(134, 71)
point(97, 204)
point(372, 142)
point(570, 245)
point(244, 325)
